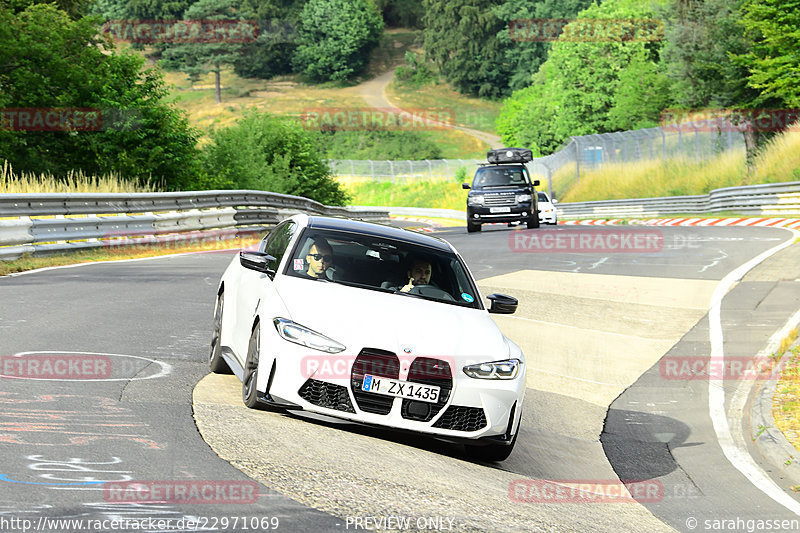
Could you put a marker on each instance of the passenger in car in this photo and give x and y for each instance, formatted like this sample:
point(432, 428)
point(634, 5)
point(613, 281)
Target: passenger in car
point(319, 258)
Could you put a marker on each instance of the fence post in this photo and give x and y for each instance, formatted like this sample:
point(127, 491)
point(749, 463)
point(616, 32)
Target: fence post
point(696, 142)
point(430, 170)
point(577, 158)
point(372, 169)
point(446, 167)
point(391, 171)
point(663, 143)
point(352, 168)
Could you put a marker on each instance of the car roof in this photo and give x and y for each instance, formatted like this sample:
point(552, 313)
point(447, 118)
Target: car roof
point(378, 230)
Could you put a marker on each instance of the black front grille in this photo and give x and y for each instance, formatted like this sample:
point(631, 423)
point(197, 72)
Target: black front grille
point(430, 372)
point(462, 419)
point(500, 199)
point(376, 363)
point(327, 395)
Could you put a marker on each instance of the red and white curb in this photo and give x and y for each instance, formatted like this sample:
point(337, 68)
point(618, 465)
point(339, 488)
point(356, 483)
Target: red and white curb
point(771, 222)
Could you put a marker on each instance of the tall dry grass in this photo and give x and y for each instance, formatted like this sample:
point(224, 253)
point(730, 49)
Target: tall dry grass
point(778, 161)
point(12, 183)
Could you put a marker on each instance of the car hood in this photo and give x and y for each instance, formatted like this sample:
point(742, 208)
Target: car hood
point(360, 318)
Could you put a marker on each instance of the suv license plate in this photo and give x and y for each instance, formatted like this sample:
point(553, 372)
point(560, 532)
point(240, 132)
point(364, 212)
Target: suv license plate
point(400, 389)
point(499, 209)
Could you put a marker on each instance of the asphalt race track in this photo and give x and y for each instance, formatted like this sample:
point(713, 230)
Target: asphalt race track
point(598, 327)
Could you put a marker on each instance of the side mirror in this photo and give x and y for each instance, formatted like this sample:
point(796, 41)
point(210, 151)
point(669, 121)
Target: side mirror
point(554, 201)
point(465, 186)
point(258, 261)
point(535, 183)
point(502, 304)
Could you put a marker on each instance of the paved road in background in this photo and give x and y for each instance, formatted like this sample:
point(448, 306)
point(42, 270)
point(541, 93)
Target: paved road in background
point(151, 321)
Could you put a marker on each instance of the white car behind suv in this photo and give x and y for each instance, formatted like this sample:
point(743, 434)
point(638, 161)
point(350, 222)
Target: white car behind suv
point(547, 209)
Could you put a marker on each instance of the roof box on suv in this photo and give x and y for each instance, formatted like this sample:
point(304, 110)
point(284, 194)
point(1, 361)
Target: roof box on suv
point(509, 155)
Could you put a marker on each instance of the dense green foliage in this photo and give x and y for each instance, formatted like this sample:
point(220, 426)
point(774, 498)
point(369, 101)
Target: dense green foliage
point(524, 54)
point(269, 153)
point(51, 61)
point(377, 144)
point(460, 37)
point(401, 13)
point(774, 59)
point(271, 54)
point(335, 38)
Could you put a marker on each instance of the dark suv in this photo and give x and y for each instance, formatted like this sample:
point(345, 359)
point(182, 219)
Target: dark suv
point(502, 192)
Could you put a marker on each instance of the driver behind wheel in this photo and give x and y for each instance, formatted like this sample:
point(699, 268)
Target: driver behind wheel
point(419, 274)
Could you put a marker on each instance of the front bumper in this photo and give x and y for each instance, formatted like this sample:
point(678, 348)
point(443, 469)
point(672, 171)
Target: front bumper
point(517, 213)
point(470, 408)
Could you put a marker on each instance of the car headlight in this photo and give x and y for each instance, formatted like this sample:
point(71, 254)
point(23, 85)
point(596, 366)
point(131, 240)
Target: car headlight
point(507, 369)
point(293, 332)
point(475, 199)
point(523, 198)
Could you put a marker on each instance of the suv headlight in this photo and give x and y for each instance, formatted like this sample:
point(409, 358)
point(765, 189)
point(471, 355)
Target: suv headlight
point(475, 199)
point(507, 369)
point(294, 332)
point(523, 198)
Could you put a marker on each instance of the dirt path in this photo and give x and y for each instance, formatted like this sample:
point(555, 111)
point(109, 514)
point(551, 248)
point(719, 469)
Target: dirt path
point(374, 94)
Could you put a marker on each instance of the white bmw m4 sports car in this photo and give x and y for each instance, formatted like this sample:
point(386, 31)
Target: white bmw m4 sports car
point(372, 324)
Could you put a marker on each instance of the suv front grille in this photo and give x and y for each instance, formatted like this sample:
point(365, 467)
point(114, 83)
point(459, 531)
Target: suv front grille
point(377, 363)
point(499, 199)
point(430, 372)
point(462, 419)
point(327, 395)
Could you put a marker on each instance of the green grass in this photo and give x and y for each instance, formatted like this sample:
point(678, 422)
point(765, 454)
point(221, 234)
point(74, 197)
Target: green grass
point(443, 194)
point(469, 112)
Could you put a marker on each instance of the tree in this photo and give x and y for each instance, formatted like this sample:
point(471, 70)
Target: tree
point(49, 61)
point(269, 153)
point(582, 80)
point(336, 37)
point(401, 13)
point(201, 56)
point(774, 59)
point(271, 53)
point(524, 56)
point(460, 37)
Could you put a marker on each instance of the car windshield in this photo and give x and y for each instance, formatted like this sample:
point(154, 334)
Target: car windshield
point(498, 177)
point(543, 197)
point(385, 265)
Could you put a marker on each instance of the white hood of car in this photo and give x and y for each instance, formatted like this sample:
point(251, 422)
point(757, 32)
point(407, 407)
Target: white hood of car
point(359, 318)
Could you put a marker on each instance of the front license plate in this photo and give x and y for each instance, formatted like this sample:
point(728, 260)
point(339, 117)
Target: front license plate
point(400, 389)
point(499, 209)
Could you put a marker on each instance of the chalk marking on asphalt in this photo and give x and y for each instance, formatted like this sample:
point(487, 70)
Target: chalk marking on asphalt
point(738, 456)
point(166, 368)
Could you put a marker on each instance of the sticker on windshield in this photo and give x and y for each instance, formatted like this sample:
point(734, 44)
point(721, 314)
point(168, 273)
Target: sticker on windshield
point(298, 264)
point(467, 298)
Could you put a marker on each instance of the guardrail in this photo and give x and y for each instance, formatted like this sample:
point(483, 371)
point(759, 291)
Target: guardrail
point(774, 199)
point(42, 224)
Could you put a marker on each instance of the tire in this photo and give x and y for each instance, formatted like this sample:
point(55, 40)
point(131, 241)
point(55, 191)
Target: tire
point(215, 361)
point(249, 392)
point(491, 453)
point(533, 222)
point(472, 228)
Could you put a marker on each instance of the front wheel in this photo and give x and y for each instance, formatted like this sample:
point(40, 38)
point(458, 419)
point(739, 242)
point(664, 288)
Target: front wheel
point(472, 228)
point(249, 392)
point(491, 453)
point(215, 361)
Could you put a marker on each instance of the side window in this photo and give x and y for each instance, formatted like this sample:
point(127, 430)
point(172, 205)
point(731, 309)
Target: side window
point(279, 239)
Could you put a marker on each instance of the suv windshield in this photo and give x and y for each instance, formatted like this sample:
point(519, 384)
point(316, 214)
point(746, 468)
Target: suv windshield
point(499, 177)
point(380, 264)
